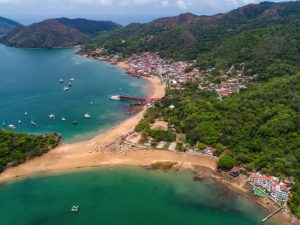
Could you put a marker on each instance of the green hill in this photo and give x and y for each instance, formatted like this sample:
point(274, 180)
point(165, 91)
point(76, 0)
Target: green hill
point(56, 33)
point(7, 25)
point(259, 128)
point(17, 148)
point(265, 35)
point(89, 27)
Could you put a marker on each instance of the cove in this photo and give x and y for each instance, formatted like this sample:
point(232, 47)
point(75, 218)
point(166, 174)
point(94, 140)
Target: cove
point(29, 82)
point(124, 196)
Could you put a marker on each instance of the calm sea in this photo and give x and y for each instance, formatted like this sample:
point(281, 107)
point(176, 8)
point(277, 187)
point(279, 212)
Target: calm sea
point(29, 82)
point(124, 196)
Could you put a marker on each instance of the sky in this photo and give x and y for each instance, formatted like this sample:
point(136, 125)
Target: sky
point(121, 11)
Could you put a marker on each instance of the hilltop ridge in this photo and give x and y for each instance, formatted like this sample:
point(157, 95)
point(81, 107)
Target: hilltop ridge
point(7, 25)
point(56, 33)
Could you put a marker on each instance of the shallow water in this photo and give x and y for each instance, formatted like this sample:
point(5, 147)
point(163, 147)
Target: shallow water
point(29, 82)
point(124, 196)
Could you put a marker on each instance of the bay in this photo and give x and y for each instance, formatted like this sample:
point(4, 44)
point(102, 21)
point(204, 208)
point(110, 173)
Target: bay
point(124, 196)
point(29, 82)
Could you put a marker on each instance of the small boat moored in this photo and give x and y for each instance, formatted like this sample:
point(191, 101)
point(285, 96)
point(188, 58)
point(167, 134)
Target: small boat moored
point(11, 126)
point(66, 88)
point(87, 116)
point(75, 208)
point(63, 119)
point(52, 116)
point(19, 121)
point(61, 81)
point(115, 97)
point(33, 123)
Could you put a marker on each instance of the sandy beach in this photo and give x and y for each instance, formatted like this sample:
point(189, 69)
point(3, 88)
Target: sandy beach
point(93, 153)
point(84, 154)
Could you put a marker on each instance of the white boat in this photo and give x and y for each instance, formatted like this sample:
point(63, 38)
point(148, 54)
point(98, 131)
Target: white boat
point(61, 81)
point(70, 84)
point(11, 126)
point(26, 113)
point(19, 121)
point(66, 88)
point(3, 124)
point(115, 97)
point(72, 79)
point(52, 116)
point(87, 116)
point(63, 119)
point(75, 208)
point(33, 123)
point(92, 103)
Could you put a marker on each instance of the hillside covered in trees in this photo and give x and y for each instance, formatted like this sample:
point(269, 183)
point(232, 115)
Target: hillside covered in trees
point(264, 36)
point(17, 148)
point(56, 33)
point(258, 128)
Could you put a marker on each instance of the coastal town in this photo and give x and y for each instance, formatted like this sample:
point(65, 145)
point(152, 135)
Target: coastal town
point(150, 112)
point(176, 75)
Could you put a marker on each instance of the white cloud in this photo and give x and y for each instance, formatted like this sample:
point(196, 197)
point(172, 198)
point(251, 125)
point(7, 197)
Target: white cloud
point(162, 3)
point(183, 4)
point(8, 2)
point(93, 2)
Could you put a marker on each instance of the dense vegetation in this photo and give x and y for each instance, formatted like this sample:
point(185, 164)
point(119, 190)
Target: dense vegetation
point(157, 135)
point(17, 148)
point(89, 27)
point(55, 33)
point(259, 127)
point(257, 34)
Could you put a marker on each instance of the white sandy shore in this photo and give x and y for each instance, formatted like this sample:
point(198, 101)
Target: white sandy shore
point(85, 154)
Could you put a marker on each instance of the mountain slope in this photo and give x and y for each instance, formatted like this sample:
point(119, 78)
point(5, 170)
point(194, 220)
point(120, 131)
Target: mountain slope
point(189, 37)
point(89, 26)
point(55, 33)
point(259, 127)
point(47, 34)
point(7, 25)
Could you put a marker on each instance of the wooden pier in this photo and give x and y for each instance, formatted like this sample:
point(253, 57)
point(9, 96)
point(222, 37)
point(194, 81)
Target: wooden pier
point(272, 214)
point(134, 98)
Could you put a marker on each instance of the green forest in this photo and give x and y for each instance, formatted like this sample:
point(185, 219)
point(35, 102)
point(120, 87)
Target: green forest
point(258, 128)
point(16, 148)
point(265, 37)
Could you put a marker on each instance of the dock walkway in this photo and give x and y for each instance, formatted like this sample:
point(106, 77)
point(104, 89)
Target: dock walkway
point(272, 214)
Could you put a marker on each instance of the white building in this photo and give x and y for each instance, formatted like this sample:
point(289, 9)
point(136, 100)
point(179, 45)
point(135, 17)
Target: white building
point(276, 189)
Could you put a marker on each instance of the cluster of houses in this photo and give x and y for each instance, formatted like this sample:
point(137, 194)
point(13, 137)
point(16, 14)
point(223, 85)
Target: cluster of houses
point(150, 64)
point(176, 74)
point(276, 189)
point(103, 55)
point(226, 88)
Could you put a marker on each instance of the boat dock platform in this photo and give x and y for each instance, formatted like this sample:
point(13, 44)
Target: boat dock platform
point(134, 98)
point(272, 214)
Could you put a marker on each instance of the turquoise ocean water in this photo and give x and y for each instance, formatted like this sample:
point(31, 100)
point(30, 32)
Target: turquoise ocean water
point(29, 82)
point(124, 196)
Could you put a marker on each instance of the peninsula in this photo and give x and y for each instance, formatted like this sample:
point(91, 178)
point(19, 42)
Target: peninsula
point(229, 90)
